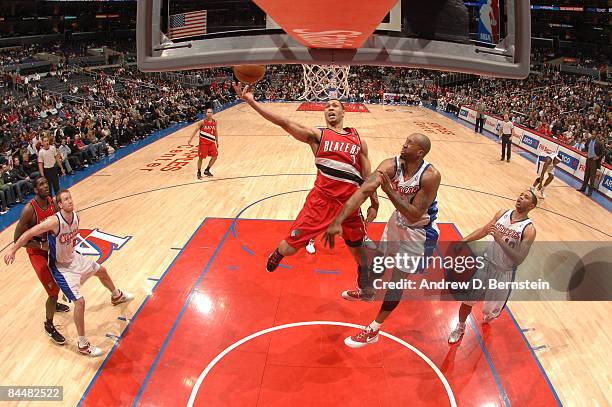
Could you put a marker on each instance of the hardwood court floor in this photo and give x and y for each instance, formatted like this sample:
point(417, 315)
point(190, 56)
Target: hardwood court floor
point(160, 210)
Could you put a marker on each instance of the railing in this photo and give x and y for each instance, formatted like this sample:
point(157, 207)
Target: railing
point(537, 90)
point(192, 80)
point(580, 70)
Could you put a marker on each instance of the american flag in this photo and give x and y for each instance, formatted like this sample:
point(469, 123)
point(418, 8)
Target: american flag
point(187, 24)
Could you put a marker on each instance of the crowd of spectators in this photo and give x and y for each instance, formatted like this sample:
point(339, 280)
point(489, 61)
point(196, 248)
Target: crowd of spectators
point(566, 107)
point(119, 105)
point(563, 106)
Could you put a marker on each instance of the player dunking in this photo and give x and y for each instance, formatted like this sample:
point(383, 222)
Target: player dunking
point(550, 162)
point(513, 233)
point(209, 142)
point(411, 183)
point(69, 268)
point(40, 208)
point(341, 157)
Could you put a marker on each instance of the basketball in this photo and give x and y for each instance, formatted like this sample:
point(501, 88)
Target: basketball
point(249, 73)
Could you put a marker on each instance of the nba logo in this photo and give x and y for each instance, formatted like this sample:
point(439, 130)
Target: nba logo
point(488, 21)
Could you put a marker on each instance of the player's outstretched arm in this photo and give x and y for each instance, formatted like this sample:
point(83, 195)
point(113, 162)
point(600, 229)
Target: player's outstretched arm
point(423, 198)
point(49, 224)
point(26, 219)
point(195, 131)
point(366, 169)
point(217, 136)
point(302, 133)
point(483, 231)
point(357, 199)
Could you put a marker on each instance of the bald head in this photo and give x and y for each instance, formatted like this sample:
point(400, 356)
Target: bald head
point(416, 147)
point(423, 142)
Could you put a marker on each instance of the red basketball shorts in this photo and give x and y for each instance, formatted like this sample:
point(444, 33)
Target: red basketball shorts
point(39, 262)
point(315, 217)
point(207, 149)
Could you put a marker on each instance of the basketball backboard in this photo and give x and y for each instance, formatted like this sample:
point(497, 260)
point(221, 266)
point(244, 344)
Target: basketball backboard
point(487, 37)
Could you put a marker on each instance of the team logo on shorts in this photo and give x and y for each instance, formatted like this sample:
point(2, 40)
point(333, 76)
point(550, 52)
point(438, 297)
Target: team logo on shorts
point(97, 243)
point(295, 233)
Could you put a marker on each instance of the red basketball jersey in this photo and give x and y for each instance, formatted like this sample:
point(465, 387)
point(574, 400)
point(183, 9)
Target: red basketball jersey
point(208, 129)
point(41, 214)
point(337, 159)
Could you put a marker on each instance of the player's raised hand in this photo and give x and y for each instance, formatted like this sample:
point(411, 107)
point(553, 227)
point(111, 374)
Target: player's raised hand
point(333, 230)
point(493, 231)
point(245, 94)
point(385, 182)
point(371, 215)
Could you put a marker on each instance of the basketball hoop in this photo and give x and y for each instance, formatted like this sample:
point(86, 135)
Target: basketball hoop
point(323, 82)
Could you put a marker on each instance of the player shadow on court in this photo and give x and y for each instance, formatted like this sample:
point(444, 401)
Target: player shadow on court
point(460, 376)
point(332, 307)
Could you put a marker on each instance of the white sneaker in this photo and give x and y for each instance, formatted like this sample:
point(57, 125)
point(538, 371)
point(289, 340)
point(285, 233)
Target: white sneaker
point(90, 350)
point(121, 298)
point(310, 248)
point(532, 189)
point(457, 333)
point(542, 195)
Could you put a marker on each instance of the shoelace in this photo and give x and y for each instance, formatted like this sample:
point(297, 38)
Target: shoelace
point(364, 334)
point(54, 327)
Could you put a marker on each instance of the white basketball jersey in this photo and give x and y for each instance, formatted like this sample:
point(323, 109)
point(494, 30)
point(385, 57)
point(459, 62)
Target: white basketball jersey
point(513, 235)
point(62, 244)
point(542, 159)
point(408, 188)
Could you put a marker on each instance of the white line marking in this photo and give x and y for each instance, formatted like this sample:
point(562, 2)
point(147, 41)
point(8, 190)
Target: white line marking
point(196, 387)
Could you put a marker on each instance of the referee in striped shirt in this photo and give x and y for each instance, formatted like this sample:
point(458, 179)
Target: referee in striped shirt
point(49, 165)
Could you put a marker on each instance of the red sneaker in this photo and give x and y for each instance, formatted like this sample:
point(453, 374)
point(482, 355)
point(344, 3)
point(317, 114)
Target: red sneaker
point(365, 337)
point(90, 350)
point(121, 298)
point(357, 295)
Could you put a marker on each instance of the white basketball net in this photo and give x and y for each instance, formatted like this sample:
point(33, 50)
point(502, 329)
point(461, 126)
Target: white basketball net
point(319, 79)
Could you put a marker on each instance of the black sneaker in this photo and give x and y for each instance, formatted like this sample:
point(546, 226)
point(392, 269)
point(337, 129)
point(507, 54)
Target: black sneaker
point(199, 175)
point(208, 173)
point(56, 337)
point(59, 307)
point(274, 260)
